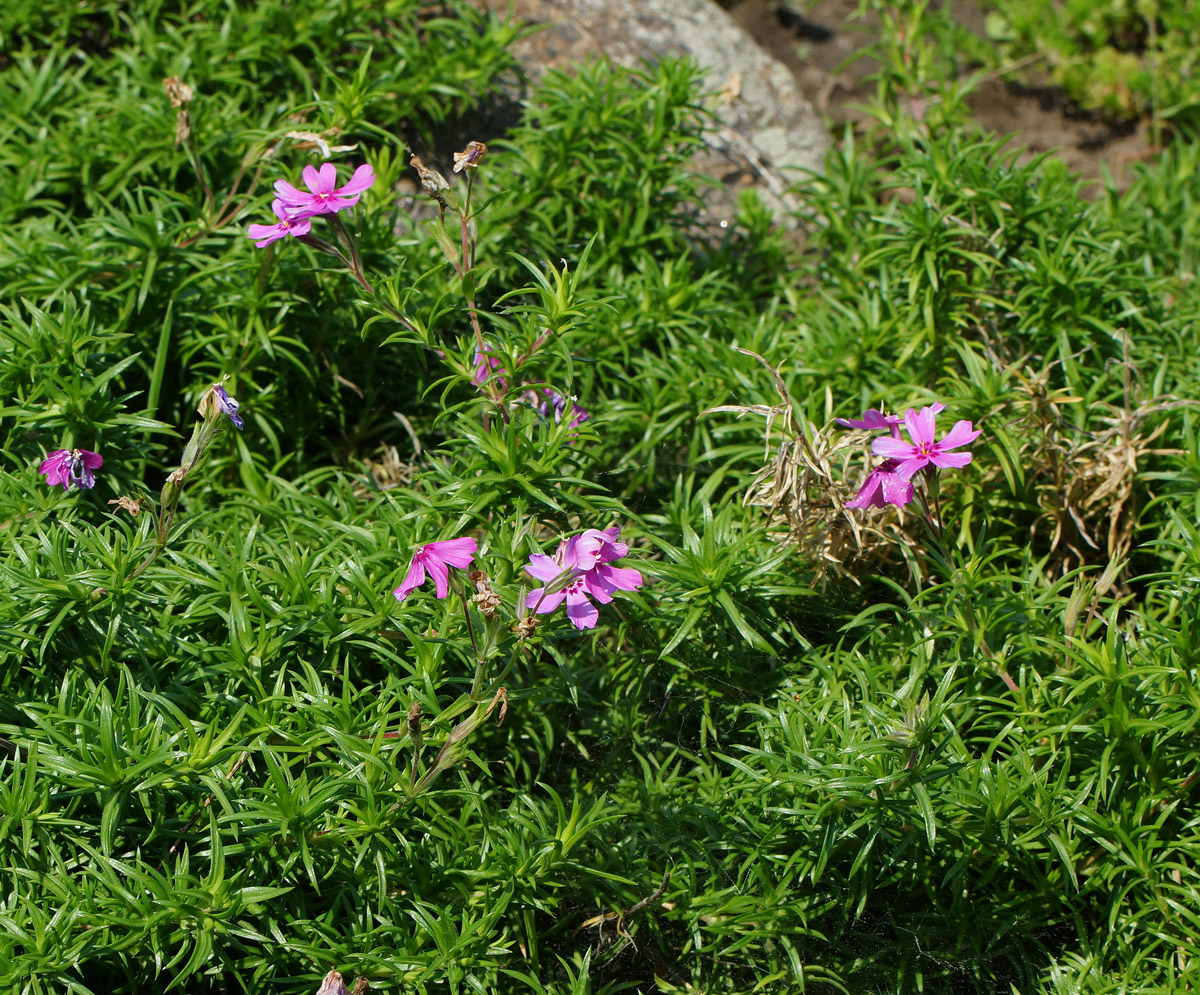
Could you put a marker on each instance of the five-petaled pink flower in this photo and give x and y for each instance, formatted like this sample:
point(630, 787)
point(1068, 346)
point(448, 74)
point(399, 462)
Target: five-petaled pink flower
point(71, 466)
point(289, 224)
point(324, 196)
point(436, 558)
point(924, 448)
point(579, 570)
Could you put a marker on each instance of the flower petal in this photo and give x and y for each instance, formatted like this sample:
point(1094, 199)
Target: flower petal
point(907, 468)
point(361, 181)
point(895, 490)
point(544, 603)
point(290, 195)
point(311, 178)
point(542, 568)
point(949, 460)
point(921, 425)
point(873, 420)
point(93, 461)
point(266, 234)
point(622, 577)
point(582, 613)
point(53, 467)
point(885, 445)
point(962, 433)
point(455, 552)
point(601, 582)
point(867, 494)
point(415, 578)
point(440, 574)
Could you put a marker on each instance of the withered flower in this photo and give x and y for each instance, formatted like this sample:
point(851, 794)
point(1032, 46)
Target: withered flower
point(471, 156)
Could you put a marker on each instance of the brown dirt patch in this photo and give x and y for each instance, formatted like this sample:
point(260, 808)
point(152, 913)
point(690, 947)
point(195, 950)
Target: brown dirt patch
point(819, 48)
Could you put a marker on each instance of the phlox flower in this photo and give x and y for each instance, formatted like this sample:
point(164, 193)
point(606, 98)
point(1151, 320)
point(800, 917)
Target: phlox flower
point(228, 406)
point(484, 365)
point(324, 196)
point(549, 401)
point(883, 487)
point(581, 569)
point(289, 224)
point(435, 558)
point(923, 448)
point(71, 466)
point(874, 420)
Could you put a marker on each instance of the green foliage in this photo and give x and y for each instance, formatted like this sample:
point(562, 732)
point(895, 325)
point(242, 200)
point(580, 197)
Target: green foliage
point(230, 759)
point(1121, 58)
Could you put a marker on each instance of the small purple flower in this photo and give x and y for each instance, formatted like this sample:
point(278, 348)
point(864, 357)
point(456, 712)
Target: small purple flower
point(484, 365)
point(924, 449)
point(436, 558)
point(874, 420)
point(71, 466)
point(289, 224)
point(883, 487)
point(552, 401)
point(581, 569)
point(325, 197)
point(228, 406)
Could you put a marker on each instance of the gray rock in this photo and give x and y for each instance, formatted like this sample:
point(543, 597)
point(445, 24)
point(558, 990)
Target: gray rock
point(768, 127)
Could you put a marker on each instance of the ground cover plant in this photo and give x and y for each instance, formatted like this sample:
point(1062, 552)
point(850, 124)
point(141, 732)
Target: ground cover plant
point(517, 587)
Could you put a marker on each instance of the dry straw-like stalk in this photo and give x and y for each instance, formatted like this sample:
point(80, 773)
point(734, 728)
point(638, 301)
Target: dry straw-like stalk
point(804, 488)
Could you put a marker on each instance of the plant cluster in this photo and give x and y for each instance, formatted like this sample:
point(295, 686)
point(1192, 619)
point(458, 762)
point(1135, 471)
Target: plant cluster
point(550, 596)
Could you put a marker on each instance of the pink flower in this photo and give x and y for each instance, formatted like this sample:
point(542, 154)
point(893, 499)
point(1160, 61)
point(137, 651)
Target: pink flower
point(484, 365)
point(883, 487)
point(436, 557)
point(71, 466)
point(289, 224)
point(581, 569)
point(874, 420)
point(325, 197)
point(923, 449)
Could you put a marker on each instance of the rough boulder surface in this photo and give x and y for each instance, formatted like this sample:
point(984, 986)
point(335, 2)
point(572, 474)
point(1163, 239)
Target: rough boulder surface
point(768, 128)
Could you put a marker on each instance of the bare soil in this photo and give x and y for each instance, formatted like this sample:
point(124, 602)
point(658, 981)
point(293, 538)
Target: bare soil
point(820, 48)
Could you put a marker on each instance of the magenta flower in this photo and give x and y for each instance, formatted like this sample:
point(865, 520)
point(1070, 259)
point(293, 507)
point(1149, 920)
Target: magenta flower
point(581, 569)
point(484, 365)
point(71, 466)
point(923, 448)
point(324, 196)
point(436, 557)
point(883, 487)
point(874, 420)
point(289, 224)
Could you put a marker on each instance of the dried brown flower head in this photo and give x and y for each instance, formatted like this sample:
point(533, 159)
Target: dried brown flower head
point(131, 505)
point(433, 182)
point(178, 92)
point(486, 599)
